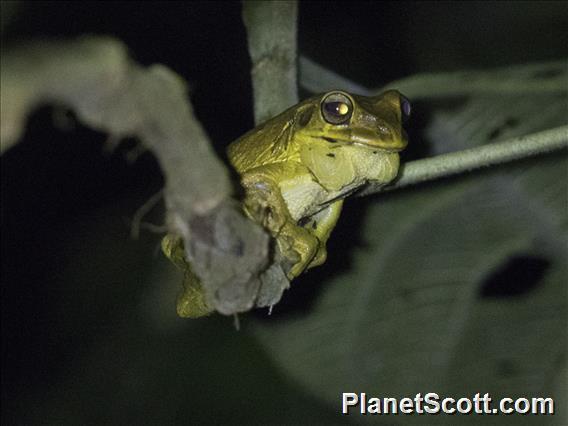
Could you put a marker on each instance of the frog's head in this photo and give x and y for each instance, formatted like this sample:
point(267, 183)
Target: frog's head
point(344, 139)
point(340, 118)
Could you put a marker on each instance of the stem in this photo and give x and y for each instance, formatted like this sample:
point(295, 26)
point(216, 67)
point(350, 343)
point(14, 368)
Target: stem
point(475, 158)
point(537, 78)
point(109, 92)
point(272, 39)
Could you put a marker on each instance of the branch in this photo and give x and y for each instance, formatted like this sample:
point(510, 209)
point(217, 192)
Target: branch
point(272, 38)
point(475, 158)
point(538, 78)
point(109, 92)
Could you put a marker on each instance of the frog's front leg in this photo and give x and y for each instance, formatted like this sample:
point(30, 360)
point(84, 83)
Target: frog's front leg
point(320, 225)
point(265, 204)
point(299, 246)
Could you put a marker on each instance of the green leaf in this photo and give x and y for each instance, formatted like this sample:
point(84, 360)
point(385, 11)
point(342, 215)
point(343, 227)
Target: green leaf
point(461, 285)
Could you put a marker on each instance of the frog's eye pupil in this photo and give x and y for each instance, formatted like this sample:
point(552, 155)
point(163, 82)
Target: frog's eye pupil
point(336, 108)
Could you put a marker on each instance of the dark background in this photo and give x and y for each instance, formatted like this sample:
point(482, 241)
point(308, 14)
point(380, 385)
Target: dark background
point(84, 335)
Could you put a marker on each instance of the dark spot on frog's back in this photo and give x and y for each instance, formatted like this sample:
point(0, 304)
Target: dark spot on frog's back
point(331, 140)
point(314, 225)
point(330, 155)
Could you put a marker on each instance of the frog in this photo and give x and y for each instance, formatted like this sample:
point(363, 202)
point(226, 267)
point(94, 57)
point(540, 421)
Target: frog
point(296, 170)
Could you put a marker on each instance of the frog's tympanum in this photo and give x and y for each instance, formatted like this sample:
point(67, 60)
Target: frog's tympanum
point(298, 167)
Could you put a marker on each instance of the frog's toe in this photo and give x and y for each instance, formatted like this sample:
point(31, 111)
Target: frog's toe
point(297, 269)
point(306, 252)
point(172, 247)
point(319, 258)
point(191, 304)
point(275, 221)
point(189, 309)
point(266, 213)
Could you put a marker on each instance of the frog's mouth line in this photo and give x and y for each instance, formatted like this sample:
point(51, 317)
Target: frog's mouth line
point(376, 148)
point(370, 144)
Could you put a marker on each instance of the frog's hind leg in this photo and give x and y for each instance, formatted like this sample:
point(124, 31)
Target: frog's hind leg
point(191, 302)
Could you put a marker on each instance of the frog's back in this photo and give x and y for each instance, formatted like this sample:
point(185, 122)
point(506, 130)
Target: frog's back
point(267, 143)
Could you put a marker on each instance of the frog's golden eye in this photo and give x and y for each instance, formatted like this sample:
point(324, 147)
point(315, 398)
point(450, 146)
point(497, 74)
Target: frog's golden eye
point(336, 108)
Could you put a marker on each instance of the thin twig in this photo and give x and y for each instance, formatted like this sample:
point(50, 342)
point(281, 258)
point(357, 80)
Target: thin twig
point(143, 211)
point(475, 158)
point(153, 228)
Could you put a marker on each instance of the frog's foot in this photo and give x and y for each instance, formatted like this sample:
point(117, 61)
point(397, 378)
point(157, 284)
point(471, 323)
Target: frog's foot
point(320, 257)
point(191, 302)
point(299, 247)
point(265, 205)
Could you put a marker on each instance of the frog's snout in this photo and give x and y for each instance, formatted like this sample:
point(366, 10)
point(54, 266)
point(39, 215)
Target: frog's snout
point(383, 138)
point(394, 139)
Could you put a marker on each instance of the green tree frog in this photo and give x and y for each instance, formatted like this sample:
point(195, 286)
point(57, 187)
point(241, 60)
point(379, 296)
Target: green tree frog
point(298, 167)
